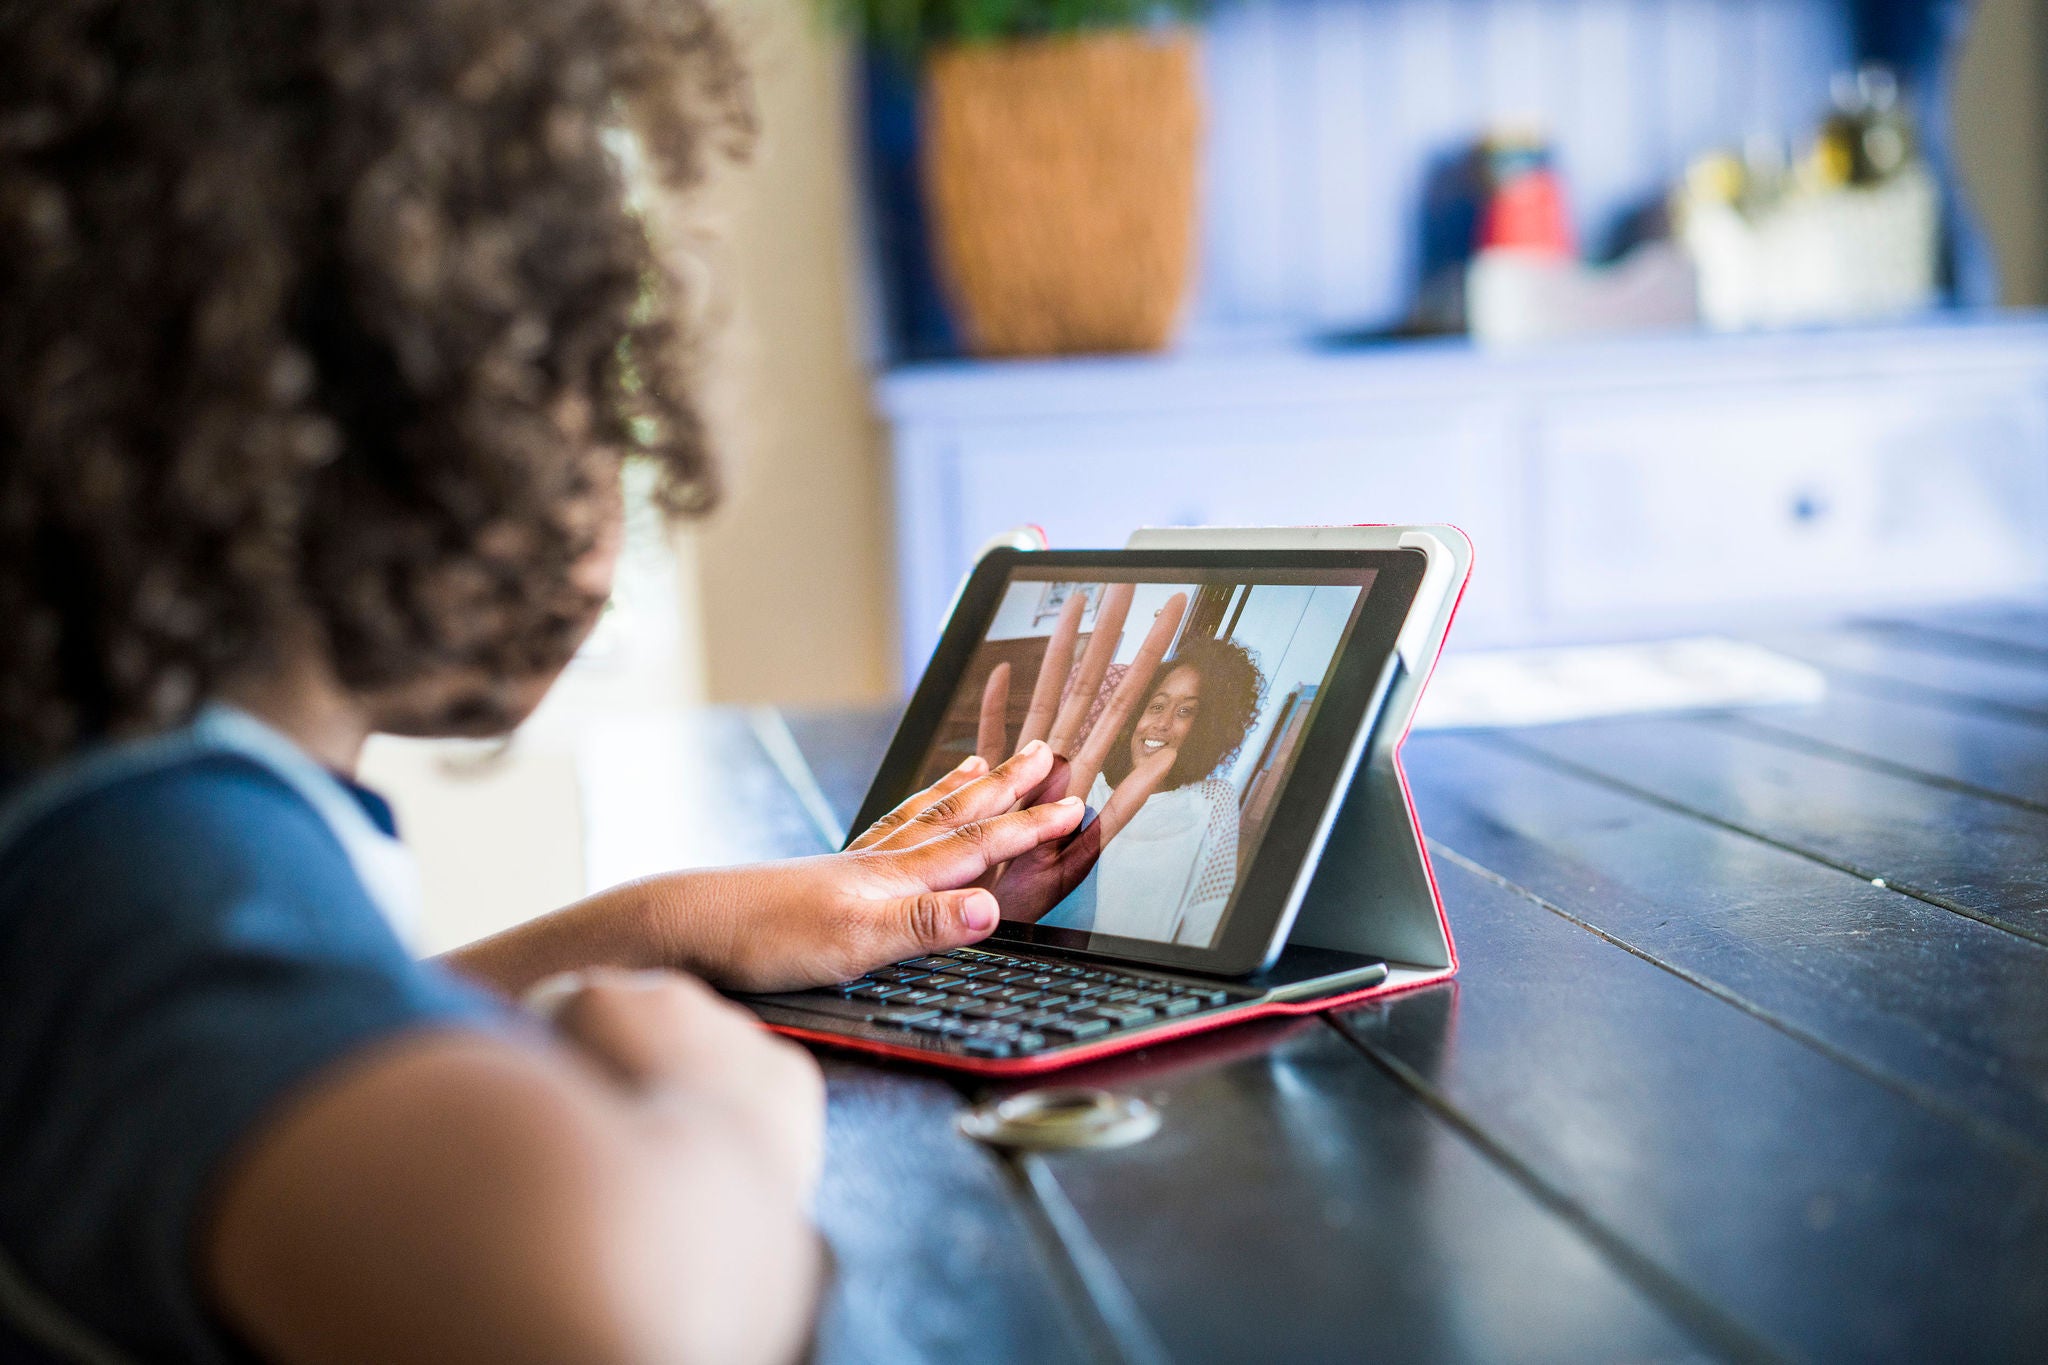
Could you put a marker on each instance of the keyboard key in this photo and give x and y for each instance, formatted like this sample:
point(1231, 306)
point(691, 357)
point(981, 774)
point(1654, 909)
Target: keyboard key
point(1087, 989)
point(930, 964)
point(880, 992)
point(902, 975)
point(1152, 998)
point(1119, 996)
point(977, 988)
point(906, 1018)
point(1179, 1005)
point(921, 997)
point(1053, 1001)
point(849, 987)
point(1119, 1015)
point(1075, 1029)
point(1208, 995)
point(991, 1009)
point(987, 1047)
point(943, 981)
point(1029, 1042)
point(970, 970)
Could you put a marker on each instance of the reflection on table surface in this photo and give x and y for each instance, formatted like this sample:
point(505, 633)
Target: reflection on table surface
point(1745, 1059)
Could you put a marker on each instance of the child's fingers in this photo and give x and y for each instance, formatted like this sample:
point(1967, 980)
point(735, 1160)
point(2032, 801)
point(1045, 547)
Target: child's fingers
point(995, 794)
point(928, 922)
point(1057, 782)
point(969, 769)
point(962, 855)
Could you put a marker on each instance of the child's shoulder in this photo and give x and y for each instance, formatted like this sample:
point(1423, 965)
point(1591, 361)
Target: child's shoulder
point(187, 833)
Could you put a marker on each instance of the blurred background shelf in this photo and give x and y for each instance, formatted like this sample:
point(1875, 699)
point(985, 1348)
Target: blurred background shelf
point(1334, 127)
point(1654, 483)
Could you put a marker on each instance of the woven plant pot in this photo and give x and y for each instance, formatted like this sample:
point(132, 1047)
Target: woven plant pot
point(1059, 177)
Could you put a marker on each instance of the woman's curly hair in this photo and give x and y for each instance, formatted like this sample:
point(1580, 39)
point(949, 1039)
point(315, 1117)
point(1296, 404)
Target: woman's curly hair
point(1233, 688)
point(340, 312)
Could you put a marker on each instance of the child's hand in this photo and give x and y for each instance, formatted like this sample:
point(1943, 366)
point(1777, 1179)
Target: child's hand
point(913, 884)
point(908, 886)
point(662, 1033)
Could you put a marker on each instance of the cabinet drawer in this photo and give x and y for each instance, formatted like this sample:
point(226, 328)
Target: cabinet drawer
point(1845, 495)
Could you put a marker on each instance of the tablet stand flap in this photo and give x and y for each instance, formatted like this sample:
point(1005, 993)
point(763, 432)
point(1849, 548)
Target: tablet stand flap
point(1372, 892)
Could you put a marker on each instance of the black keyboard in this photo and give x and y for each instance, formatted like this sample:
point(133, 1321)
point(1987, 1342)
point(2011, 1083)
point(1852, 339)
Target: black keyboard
point(992, 1004)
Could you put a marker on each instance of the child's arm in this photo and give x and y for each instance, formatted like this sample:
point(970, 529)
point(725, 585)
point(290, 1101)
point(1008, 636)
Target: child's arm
point(781, 926)
point(457, 1197)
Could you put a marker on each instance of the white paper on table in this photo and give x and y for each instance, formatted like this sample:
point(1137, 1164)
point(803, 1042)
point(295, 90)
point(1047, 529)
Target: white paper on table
point(1581, 682)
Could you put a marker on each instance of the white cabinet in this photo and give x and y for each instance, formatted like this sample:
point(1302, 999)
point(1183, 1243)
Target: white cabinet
point(1682, 502)
point(1657, 486)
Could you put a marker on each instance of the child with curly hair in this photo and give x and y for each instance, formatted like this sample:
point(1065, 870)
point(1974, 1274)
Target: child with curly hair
point(325, 328)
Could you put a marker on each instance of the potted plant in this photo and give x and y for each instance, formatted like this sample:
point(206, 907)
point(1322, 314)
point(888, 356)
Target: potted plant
point(1058, 147)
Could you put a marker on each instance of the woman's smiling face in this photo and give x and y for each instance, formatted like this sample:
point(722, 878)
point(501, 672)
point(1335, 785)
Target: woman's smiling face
point(1168, 715)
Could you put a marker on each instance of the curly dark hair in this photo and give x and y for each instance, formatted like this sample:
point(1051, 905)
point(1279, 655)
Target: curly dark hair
point(331, 312)
point(1233, 688)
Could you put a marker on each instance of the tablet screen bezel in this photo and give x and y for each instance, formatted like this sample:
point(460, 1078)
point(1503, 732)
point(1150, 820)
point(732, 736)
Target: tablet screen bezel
point(1270, 887)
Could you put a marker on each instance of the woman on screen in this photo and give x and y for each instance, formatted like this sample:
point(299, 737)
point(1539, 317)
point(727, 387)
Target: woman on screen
point(1169, 872)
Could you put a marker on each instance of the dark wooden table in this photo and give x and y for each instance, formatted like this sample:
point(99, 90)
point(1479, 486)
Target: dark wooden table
point(1748, 1058)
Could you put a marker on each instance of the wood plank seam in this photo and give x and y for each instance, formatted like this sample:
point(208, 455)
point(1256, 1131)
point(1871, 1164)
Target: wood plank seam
point(1987, 646)
point(2008, 1140)
point(1933, 898)
point(1761, 729)
point(1713, 1326)
point(1115, 1327)
point(1106, 1319)
point(1925, 694)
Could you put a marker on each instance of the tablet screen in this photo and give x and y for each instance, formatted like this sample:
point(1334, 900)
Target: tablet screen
point(1182, 697)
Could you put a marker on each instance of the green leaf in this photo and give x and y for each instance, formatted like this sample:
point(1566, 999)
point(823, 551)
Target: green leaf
point(909, 28)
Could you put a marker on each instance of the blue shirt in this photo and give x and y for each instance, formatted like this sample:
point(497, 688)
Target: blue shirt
point(188, 938)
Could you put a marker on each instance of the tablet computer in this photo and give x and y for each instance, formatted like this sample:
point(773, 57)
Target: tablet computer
point(1216, 704)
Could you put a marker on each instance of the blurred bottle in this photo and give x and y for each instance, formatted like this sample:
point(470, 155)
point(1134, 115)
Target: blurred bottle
point(1525, 202)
